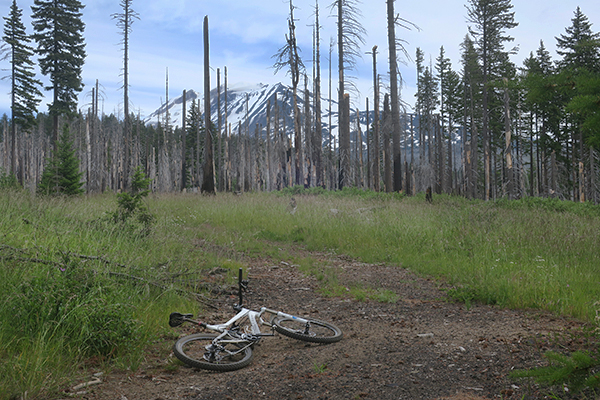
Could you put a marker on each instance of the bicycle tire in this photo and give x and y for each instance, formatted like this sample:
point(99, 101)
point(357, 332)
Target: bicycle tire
point(320, 331)
point(192, 348)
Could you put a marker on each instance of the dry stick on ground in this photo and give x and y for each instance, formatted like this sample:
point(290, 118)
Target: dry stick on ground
point(198, 296)
point(202, 299)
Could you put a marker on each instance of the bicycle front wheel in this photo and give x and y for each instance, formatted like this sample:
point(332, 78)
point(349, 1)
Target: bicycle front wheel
point(199, 351)
point(315, 331)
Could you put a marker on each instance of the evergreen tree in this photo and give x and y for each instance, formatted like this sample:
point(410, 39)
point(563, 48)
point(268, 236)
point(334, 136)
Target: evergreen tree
point(471, 96)
point(61, 48)
point(195, 133)
point(450, 103)
point(25, 92)
point(61, 175)
point(490, 19)
point(577, 76)
point(419, 59)
point(579, 46)
point(429, 93)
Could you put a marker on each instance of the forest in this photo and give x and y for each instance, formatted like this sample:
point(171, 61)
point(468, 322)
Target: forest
point(490, 129)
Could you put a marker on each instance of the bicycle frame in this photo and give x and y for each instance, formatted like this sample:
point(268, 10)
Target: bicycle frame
point(255, 318)
point(238, 335)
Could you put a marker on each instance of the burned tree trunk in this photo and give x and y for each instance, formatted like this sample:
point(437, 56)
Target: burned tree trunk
point(208, 178)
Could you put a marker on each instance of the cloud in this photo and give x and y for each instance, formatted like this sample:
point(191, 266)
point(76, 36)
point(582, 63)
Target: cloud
point(245, 34)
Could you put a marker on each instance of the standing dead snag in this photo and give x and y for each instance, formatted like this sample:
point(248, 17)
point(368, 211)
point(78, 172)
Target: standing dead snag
point(208, 178)
point(288, 56)
point(124, 22)
point(350, 38)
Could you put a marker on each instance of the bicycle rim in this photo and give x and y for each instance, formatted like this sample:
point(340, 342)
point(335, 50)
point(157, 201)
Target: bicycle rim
point(192, 350)
point(316, 332)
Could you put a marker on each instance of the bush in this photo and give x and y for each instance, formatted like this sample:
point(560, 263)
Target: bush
point(131, 209)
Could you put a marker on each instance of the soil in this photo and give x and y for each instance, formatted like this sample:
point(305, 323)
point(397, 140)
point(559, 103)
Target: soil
point(423, 346)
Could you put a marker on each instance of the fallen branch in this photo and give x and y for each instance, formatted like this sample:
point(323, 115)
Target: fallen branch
point(198, 296)
point(202, 299)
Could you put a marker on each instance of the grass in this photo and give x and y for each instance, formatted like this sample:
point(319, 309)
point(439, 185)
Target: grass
point(532, 253)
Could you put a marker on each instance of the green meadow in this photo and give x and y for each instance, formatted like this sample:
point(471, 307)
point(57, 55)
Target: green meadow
point(78, 288)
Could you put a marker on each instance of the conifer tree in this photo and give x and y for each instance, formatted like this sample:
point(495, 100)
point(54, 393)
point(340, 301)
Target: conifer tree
point(61, 175)
point(579, 72)
point(450, 103)
point(58, 31)
point(579, 45)
point(471, 97)
point(25, 92)
point(490, 19)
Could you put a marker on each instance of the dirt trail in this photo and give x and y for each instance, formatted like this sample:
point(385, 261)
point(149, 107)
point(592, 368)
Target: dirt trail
point(420, 347)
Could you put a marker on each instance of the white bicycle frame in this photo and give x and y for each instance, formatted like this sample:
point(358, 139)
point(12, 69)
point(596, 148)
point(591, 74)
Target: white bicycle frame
point(255, 318)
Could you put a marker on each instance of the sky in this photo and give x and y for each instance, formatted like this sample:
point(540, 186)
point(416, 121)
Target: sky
point(244, 35)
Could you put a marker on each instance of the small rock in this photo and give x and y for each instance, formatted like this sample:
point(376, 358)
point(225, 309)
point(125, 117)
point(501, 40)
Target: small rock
point(425, 335)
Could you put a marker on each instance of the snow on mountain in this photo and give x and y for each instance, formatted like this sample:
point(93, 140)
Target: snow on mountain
point(247, 104)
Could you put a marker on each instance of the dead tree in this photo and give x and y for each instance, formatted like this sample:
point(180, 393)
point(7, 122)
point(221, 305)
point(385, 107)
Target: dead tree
point(208, 178)
point(350, 38)
point(124, 22)
point(288, 57)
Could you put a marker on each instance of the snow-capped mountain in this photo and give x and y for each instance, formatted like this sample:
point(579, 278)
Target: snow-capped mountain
point(247, 104)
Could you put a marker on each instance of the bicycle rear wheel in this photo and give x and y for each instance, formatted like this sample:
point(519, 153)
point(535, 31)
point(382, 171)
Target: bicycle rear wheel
point(316, 331)
point(198, 351)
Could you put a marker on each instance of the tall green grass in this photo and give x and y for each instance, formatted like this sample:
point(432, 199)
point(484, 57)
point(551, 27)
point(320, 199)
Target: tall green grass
point(540, 253)
point(76, 286)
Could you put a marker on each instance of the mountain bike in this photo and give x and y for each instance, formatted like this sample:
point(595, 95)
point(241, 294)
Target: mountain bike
point(230, 347)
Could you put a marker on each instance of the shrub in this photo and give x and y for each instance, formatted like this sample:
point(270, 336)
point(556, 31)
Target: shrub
point(130, 205)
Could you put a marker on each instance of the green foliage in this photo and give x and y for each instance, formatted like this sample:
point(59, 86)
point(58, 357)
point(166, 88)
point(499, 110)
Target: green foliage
point(75, 303)
point(514, 254)
point(8, 181)
point(586, 105)
point(347, 192)
point(131, 204)
point(25, 88)
point(61, 175)
point(60, 309)
point(579, 45)
point(578, 371)
point(58, 32)
point(552, 205)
